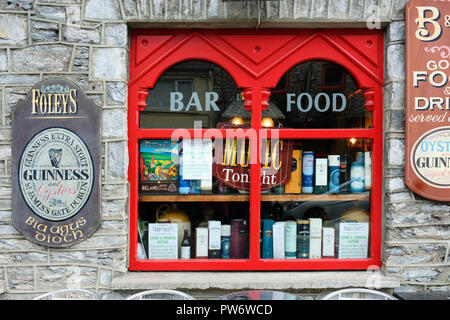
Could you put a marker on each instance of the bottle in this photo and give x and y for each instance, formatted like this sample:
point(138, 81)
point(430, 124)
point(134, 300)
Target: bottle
point(307, 172)
point(267, 238)
point(186, 246)
point(290, 239)
point(334, 167)
point(344, 174)
point(214, 238)
point(302, 239)
point(238, 237)
point(225, 241)
point(321, 176)
point(357, 177)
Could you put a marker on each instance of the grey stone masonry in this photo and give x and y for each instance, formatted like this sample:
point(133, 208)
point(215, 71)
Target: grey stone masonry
point(417, 236)
point(87, 41)
point(59, 38)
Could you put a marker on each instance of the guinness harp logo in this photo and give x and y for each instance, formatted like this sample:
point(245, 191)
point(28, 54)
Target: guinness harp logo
point(56, 174)
point(55, 157)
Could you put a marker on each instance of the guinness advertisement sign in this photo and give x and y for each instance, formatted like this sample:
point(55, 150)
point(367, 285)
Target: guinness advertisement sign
point(427, 129)
point(56, 141)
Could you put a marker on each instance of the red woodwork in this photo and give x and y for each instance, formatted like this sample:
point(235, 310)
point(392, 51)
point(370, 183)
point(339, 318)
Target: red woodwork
point(256, 60)
point(247, 94)
point(265, 94)
point(364, 62)
point(369, 95)
point(142, 95)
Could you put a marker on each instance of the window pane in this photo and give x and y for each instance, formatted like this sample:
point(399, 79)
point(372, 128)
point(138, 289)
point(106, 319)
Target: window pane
point(193, 91)
point(321, 209)
point(160, 95)
point(193, 185)
point(319, 94)
point(214, 230)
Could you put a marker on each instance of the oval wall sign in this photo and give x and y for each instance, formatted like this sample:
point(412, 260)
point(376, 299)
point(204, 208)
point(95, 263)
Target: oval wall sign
point(430, 157)
point(56, 174)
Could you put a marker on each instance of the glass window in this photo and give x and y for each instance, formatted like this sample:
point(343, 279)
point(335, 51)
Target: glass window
point(194, 187)
point(319, 94)
point(323, 202)
point(160, 94)
point(215, 230)
point(297, 188)
point(193, 91)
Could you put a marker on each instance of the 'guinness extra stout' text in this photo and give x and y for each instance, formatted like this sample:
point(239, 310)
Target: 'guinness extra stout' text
point(56, 174)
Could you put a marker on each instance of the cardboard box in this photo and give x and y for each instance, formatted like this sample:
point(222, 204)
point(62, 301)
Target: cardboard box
point(328, 241)
point(201, 243)
point(315, 238)
point(278, 240)
point(214, 234)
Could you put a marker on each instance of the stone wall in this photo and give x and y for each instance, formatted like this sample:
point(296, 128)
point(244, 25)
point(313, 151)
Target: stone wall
point(52, 38)
point(82, 39)
point(416, 244)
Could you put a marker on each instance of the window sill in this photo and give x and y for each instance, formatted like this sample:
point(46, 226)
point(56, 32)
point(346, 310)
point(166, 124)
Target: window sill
point(252, 280)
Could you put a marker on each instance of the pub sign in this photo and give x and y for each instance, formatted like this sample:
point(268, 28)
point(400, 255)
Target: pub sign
point(427, 129)
point(56, 151)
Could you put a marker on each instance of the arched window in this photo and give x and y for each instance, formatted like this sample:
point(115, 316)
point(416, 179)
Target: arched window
point(189, 91)
point(266, 146)
point(320, 94)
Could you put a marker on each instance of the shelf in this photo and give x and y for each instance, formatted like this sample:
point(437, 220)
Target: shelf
point(246, 197)
point(195, 197)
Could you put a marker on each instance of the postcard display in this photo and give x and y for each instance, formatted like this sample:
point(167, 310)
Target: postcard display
point(158, 166)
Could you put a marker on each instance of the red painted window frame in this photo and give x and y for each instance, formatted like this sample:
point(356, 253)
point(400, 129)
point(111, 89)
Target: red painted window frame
point(359, 51)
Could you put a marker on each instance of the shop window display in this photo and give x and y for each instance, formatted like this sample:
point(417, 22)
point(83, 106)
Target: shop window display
point(236, 172)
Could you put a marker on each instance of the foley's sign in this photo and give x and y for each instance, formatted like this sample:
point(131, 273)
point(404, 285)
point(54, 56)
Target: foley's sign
point(427, 139)
point(56, 143)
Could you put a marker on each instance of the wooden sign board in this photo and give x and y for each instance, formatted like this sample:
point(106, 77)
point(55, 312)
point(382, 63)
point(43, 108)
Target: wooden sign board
point(427, 129)
point(56, 161)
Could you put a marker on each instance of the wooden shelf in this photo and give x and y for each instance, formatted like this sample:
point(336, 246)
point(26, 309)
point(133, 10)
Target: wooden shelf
point(316, 197)
point(195, 197)
point(246, 197)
